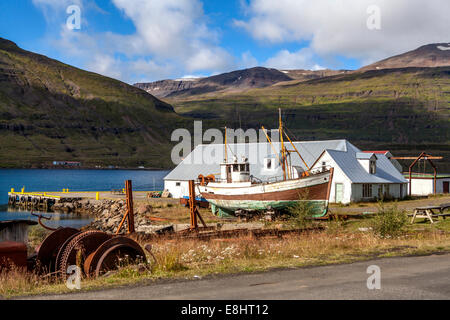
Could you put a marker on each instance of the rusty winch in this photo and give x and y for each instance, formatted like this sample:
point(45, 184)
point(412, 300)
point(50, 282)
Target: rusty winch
point(95, 252)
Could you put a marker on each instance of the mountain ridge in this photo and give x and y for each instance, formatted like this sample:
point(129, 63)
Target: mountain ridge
point(50, 110)
point(431, 55)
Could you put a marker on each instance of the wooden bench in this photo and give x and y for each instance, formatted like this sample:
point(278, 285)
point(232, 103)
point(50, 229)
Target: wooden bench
point(429, 213)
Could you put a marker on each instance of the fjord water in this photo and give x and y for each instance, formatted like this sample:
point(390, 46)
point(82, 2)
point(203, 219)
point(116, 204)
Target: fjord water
point(75, 180)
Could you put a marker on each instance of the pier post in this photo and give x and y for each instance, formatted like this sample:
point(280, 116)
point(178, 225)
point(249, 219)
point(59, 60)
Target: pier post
point(129, 191)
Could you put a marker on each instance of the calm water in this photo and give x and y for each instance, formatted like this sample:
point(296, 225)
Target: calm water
point(75, 180)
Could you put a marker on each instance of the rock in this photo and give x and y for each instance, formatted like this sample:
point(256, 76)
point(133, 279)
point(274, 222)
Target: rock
point(143, 209)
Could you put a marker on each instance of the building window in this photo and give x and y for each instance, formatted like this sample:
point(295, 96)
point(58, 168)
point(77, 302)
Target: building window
point(178, 184)
point(373, 167)
point(367, 190)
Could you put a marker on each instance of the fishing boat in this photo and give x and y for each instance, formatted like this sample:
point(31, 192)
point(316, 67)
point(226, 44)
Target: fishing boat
point(236, 191)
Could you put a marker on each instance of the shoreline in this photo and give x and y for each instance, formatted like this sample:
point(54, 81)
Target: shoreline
point(84, 168)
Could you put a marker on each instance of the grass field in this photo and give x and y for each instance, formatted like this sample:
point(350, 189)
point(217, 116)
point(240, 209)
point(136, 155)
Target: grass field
point(340, 242)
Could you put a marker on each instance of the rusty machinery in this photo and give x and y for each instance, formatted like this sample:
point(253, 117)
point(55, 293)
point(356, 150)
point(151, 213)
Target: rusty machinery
point(425, 157)
point(194, 213)
point(95, 252)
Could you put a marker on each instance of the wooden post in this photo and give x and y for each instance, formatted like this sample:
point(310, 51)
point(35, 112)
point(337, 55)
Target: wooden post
point(129, 192)
point(192, 208)
point(129, 215)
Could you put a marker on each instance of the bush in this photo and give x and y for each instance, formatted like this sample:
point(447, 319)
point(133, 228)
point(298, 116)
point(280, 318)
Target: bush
point(301, 212)
point(390, 221)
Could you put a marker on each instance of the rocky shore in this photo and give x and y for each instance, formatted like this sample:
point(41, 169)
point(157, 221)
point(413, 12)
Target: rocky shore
point(107, 214)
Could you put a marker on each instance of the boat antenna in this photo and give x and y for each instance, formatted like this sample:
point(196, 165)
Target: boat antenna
point(273, 148)
point(304, 162)
point(225, 146)
point(283, 151)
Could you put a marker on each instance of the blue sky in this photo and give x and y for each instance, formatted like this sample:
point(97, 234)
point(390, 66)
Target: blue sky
point(147, 40)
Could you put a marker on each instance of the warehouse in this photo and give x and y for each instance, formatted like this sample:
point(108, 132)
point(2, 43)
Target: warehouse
point(425, 184)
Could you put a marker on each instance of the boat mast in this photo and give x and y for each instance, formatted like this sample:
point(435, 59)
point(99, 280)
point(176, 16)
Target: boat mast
point(283, 150)
point(225, 146)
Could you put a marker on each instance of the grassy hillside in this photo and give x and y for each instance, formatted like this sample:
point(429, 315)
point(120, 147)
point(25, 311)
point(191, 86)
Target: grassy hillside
point(403, 110)
point(52, 111)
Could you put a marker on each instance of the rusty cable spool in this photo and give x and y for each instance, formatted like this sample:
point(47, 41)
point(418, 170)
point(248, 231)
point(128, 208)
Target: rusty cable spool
point(49, 248)
point(61, 250)
point(85, 243)
point(108, 255)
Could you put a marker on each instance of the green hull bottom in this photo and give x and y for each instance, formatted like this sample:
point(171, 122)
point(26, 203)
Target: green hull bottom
point(226, 208)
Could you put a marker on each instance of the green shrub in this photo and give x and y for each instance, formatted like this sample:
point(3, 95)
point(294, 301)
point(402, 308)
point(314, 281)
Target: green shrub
point(389, 221)
point(301, 212)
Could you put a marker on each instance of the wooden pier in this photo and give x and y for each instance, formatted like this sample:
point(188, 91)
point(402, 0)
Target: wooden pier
point(43, 201)
point(32, 200)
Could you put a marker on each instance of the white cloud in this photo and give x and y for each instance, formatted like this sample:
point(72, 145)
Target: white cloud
point(339, 27)
point(301, 59)
point(171, 36)
point(175, 29)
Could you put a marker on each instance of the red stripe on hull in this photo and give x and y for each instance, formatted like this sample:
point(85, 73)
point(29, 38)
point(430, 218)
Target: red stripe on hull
point(316, 192)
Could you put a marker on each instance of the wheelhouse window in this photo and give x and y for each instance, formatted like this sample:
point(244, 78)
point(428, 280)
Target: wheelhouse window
point(367, 190)
point(269, 164)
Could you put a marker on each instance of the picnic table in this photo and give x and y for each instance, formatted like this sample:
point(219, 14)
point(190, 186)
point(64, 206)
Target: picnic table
point(430, 212)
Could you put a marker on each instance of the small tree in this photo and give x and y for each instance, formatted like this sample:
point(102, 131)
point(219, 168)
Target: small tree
point(389, 221)
point(301, 211)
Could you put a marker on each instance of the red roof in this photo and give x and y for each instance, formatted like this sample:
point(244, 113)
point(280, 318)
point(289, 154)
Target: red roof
point(379, 152)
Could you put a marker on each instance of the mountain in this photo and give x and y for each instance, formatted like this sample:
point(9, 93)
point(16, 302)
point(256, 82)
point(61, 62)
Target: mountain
point(305, 75)
point(52, 111)
point(238, 80)
point(405, 110)
point(431, 55)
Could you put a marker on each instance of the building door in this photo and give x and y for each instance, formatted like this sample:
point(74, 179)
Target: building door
point(339, 192)
point(446, 186)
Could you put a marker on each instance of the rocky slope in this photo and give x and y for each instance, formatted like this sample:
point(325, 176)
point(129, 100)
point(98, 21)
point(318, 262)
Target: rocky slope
point(305, 75)
point(52, 111)
point(239, 80)
point(431, 55)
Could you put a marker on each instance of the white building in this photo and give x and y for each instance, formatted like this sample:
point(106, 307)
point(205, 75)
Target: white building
point(423, 184)
point(358, 175)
